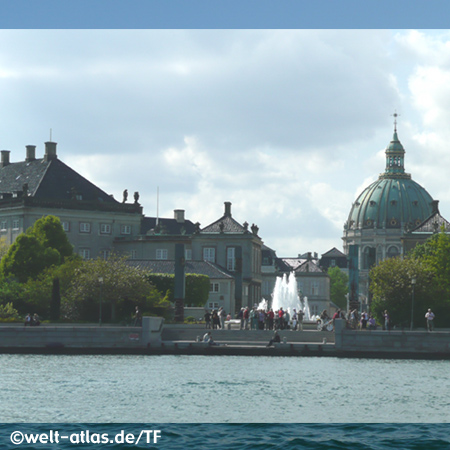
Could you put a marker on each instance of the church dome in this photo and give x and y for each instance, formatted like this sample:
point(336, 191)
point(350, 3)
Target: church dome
point(394, 200)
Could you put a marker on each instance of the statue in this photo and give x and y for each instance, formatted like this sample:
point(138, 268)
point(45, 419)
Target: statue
point(136, 197)
point(125, 195)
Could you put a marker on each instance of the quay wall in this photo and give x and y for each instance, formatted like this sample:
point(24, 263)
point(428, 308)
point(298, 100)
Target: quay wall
point(391, 343)
point(192, 332)
point(82, 337)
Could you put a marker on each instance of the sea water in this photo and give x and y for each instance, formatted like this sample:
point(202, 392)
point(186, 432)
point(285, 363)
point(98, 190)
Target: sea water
point(228, 402)
point(222, 389)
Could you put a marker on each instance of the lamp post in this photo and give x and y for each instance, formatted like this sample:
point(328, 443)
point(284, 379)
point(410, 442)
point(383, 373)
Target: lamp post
point(413, 283)
point(100, 281)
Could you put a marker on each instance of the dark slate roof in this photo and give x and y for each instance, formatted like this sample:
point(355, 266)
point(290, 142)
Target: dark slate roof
point(310, 266)
point(334, 253)
point(166, 226)
point(193, 267)
point(291, 263)
point(229, 226)
point(432, 225)
point(51, 180)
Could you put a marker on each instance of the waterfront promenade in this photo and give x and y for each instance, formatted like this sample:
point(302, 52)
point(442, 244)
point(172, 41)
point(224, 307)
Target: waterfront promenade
point(155, 338)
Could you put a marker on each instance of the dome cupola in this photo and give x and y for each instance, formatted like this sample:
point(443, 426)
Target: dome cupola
point(394, 200)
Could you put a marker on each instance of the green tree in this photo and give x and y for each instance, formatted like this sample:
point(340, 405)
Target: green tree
point(338, 287)
point(50, 233)
point(43, 245)
point(3, 247)
point(122, 289)
point(197, 287)
point(27, 258)
point(435, 254)
point(392, 290)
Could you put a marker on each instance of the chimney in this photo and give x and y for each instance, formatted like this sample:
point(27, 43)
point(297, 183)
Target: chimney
point(50, 151)
point(31, 153)
point(227, 209)
point(309, 257)
point(5, 158)
point(178, 215)
point(434, 206)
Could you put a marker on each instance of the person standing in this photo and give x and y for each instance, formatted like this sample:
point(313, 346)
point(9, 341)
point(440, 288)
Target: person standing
point(207, 319)
point(222, 317)
point(270, 317)
point(387, 321)
point(240, 316)
point(430, 319)
point(246, 317)
point(300, 315)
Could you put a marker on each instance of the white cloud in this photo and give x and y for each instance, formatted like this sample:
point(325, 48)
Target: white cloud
point(288, 125)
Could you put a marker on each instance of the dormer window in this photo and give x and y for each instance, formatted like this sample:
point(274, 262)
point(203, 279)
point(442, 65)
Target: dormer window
point(415, 203)
point(373, 203)
point(393, 202)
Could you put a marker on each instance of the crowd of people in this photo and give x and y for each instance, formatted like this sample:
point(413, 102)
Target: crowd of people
point(260, 319)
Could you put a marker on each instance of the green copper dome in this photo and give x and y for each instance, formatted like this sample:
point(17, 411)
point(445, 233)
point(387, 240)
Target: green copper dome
point(394, 200)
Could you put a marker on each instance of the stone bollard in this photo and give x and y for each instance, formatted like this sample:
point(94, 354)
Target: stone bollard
point(284, 340)
point(198, 339)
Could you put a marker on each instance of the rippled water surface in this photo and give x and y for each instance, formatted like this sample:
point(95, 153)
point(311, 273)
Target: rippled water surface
point(201, 389)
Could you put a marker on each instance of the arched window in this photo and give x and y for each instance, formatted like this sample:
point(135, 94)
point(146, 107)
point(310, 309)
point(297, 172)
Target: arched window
point(369, 257)
point(392, 252)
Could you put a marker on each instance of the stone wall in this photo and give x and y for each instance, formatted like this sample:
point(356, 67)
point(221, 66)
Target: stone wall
point(391, 342)
point(82, 336)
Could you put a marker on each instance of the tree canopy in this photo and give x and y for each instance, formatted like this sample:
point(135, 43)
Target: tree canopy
point(43, 245)
point(391, 283)
point(117, 285)
point(338, 286)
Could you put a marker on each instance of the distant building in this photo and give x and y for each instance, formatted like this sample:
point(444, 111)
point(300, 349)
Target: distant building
point(333, 258)
point(382, 216)
point(237, 249)
point(312, 281)
point(36, 187)
point(418, 235)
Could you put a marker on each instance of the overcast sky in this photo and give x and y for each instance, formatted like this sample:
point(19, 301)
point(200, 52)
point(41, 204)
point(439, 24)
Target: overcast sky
point(288, 125)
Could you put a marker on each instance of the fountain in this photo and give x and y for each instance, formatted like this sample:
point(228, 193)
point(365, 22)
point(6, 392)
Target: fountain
point(285, 295)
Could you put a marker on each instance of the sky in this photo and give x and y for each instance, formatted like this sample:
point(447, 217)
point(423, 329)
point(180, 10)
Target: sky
point(289, 125)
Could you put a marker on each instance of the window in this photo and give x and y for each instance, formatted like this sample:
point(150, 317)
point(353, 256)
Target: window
point(214, 287)
point(105, 254)
point(231, 260)
point(15, 224)
point(85, 253)
point(125, 229)
point(161, 253)
point(314, 310)
point(266, 287)
point(213, 305)
point(133, 254)
point(209, 254)
point(85, 227)
point(392, 252)
point(105, 228)
point(315, 288)
point(66, 226)
point(3, 225)
point(188, 254)
point(333, 263)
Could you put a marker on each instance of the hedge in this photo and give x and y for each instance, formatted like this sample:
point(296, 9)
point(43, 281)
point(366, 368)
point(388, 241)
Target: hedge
point(197, 287)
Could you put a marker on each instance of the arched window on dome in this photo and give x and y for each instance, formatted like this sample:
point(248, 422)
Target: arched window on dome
point(368, 257)
point(392, 252)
